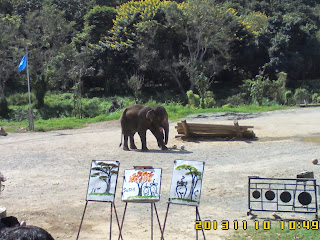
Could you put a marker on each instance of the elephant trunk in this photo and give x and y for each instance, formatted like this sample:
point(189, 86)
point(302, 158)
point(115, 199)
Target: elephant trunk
point(166, 133)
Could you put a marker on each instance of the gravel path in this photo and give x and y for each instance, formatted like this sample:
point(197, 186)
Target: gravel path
point(48, 172)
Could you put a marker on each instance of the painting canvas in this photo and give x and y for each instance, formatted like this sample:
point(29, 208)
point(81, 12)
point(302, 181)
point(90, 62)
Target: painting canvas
point(103, 180)
point(142, 185)
point(186, 182)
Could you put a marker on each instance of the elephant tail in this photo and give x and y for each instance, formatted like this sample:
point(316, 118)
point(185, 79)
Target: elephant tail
point(122, 116)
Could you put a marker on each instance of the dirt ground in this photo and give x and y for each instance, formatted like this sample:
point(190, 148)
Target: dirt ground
point(47, 174)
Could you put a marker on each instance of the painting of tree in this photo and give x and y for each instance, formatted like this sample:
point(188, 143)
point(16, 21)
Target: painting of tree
point(194, 173)
point(142, 185)
point(186, 182)
point(104, 171)
point(140, 178)
point(102, 180)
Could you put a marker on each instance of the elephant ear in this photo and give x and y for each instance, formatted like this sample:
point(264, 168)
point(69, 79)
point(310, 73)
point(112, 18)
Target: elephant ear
point(161, 112)
point(150, 114)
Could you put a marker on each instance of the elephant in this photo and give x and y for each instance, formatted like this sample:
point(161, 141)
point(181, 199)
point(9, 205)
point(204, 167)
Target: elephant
point(139, 118)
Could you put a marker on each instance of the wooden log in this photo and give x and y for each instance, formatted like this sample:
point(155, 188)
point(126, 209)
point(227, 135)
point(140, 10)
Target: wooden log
point(185, 128)
point(249, 134)
point(191, 130)
point(213, 130)
point(217, 125)
point(221, 131)
point(238, 130)
point(211, 126)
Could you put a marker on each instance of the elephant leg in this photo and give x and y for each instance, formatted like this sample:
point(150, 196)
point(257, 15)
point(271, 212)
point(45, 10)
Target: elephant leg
point(132, 144)
point(164, 147)
point(125, 143)
point(157, 132)
point(143, 138)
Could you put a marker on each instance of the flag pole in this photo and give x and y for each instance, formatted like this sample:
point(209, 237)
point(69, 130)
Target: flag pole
point(30, 112)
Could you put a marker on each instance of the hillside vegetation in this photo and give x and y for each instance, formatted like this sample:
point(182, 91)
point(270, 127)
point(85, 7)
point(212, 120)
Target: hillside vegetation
point(203, 53)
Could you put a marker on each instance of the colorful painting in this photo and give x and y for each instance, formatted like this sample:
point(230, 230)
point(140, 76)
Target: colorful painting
point(186, 182)
point(103, 180)
point(142, 185)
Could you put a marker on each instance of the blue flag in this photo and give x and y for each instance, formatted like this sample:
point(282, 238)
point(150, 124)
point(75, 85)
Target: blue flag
point(23, 63)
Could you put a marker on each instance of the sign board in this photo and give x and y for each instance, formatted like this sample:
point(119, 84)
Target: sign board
point(186, 182)
point(283, 195)
point(102, 180)
point(141, 185)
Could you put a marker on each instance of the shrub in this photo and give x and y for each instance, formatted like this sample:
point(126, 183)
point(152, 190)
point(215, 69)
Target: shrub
point(57, 110)
point(256, 89)
point(20, 99)
point(301, 96)
point(193, 99)
point(262, 90)
point(92, 108)
point(278, 88)
point(315, 98)
point(288, 96)
point(209, 101)
point(235, 100)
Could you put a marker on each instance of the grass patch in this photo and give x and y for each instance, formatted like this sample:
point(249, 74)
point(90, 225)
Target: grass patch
point(176, 111)
point(274, 233)
point(57, 113)
point(58, 124)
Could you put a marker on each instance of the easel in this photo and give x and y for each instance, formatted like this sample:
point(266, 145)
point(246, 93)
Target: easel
point(153, 206)
point(198, 218)
point(115, 211)
point(178, 188)
point(105, 167)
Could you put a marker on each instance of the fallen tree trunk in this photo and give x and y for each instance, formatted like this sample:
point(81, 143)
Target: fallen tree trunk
point(213, 130)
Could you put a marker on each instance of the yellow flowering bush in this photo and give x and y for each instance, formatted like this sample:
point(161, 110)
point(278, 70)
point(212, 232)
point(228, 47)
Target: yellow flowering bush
point(129, 16)
point(254, 22)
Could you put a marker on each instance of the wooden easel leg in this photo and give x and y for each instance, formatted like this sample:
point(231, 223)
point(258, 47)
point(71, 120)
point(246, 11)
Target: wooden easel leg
point(110, 221)
point(165, 221)
point(155, 208)
point(151, 221)
point(124, 213)
point(199, 218)
point(115, 212)
point(82, 219)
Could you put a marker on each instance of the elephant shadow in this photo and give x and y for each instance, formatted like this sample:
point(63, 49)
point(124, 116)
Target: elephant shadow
point(169, 150)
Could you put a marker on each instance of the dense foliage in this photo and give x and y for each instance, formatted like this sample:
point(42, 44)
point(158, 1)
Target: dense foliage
point(223, 51)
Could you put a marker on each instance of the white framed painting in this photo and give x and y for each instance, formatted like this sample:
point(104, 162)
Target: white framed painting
point(141, 185)
point(186, 182)
point(102, 180)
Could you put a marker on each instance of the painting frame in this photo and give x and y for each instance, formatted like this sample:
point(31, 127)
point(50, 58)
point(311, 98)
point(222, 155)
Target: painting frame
point(142, 185)
point(103, 175)
point(186, 182)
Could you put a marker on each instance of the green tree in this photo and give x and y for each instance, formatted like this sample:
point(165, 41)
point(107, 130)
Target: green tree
point(46, 31)
point(97, 22)
point(291, 43)
point(135, 82)
point(207, 30)
point(202, 84)
point(74, 10)
point(9, 42)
